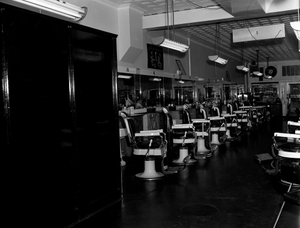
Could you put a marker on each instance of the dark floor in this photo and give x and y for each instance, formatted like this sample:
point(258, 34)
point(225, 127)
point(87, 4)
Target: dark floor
point(231, 189)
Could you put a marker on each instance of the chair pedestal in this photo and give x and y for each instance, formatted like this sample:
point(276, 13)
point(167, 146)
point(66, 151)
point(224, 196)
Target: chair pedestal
point(215, 138)
point(149, 170)
point(202, 151)
point(183, 153)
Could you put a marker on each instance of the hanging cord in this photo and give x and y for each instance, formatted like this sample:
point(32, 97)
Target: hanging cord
point(173, 23)
point(167, 15)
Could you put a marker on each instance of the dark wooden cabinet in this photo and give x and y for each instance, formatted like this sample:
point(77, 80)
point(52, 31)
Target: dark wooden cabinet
point(59, 154)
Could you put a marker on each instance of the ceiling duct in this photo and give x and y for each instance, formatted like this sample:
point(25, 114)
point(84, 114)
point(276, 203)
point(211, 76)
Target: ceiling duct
point(258, 33)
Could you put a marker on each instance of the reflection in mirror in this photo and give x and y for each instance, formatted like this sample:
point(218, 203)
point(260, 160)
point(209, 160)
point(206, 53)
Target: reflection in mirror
point(184, 92)
point(144, 91)
point(125, 90)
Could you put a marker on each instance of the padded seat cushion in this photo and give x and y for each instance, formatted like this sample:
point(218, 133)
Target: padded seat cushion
point(143, 142)
point(290, 147)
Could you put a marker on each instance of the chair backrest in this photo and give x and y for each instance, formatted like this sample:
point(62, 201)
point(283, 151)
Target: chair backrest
point(229, 108)
point(186, 117)
point(292, 127)
point(168, 120)
point(130, 128)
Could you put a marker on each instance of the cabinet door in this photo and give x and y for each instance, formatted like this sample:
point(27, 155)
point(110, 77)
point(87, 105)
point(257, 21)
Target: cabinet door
point(42, 167)
point(98, 151)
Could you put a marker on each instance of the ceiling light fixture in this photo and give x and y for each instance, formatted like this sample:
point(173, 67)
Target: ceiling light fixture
point(166, 42)
point(216, 58)
point(58, 7)
point(124, 76)
point(296, 24)
point(243, 68)
point(155, 79)
point(257, 72)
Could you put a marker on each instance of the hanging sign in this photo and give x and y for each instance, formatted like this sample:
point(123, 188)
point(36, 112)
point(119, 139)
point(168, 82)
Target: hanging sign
point(155, 57)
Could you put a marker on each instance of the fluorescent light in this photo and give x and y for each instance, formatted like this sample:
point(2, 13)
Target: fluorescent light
point(124, 76)
point(155, 79)
point(217, 59)
point(243, 68)
point(164, 42)
point(181, 81)
point(58, 7)
point(296, 27)
point(257, 73)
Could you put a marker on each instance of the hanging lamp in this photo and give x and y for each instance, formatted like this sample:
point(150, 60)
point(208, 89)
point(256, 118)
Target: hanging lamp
point(216, 58)
point(244, 67)
point(257, 72)
point(167, 42)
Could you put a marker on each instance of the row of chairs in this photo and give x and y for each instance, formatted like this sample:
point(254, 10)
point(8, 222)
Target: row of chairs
point(189, 141)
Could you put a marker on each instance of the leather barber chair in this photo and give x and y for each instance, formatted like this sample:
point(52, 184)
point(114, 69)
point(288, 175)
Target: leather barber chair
point(204, 147)
point(261, 113)
point(218, 128)
point(166, 164)
point(248, 109)
point(287, 147)
point(150, 144)
point(184, 139)
point(232, 131)
point(243, 120)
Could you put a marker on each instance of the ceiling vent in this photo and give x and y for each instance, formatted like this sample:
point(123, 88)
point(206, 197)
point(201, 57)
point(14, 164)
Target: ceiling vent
point(258, 33)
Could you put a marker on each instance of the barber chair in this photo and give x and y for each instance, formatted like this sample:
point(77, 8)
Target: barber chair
point(166, 166)
point(150, 144)
point(288, 148)
point(254, 116)
point(261, 113)
point(243, 120)
point(232, 131)
point(218, 128)
point(204, 147)
point(248, 109)
point(184, 138)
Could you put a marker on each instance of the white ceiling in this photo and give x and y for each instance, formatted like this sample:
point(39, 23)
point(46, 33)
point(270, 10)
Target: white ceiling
point(199, 18)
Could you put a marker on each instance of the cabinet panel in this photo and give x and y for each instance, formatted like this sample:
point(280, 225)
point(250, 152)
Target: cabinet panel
point(42, 164)
point(97, 123)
